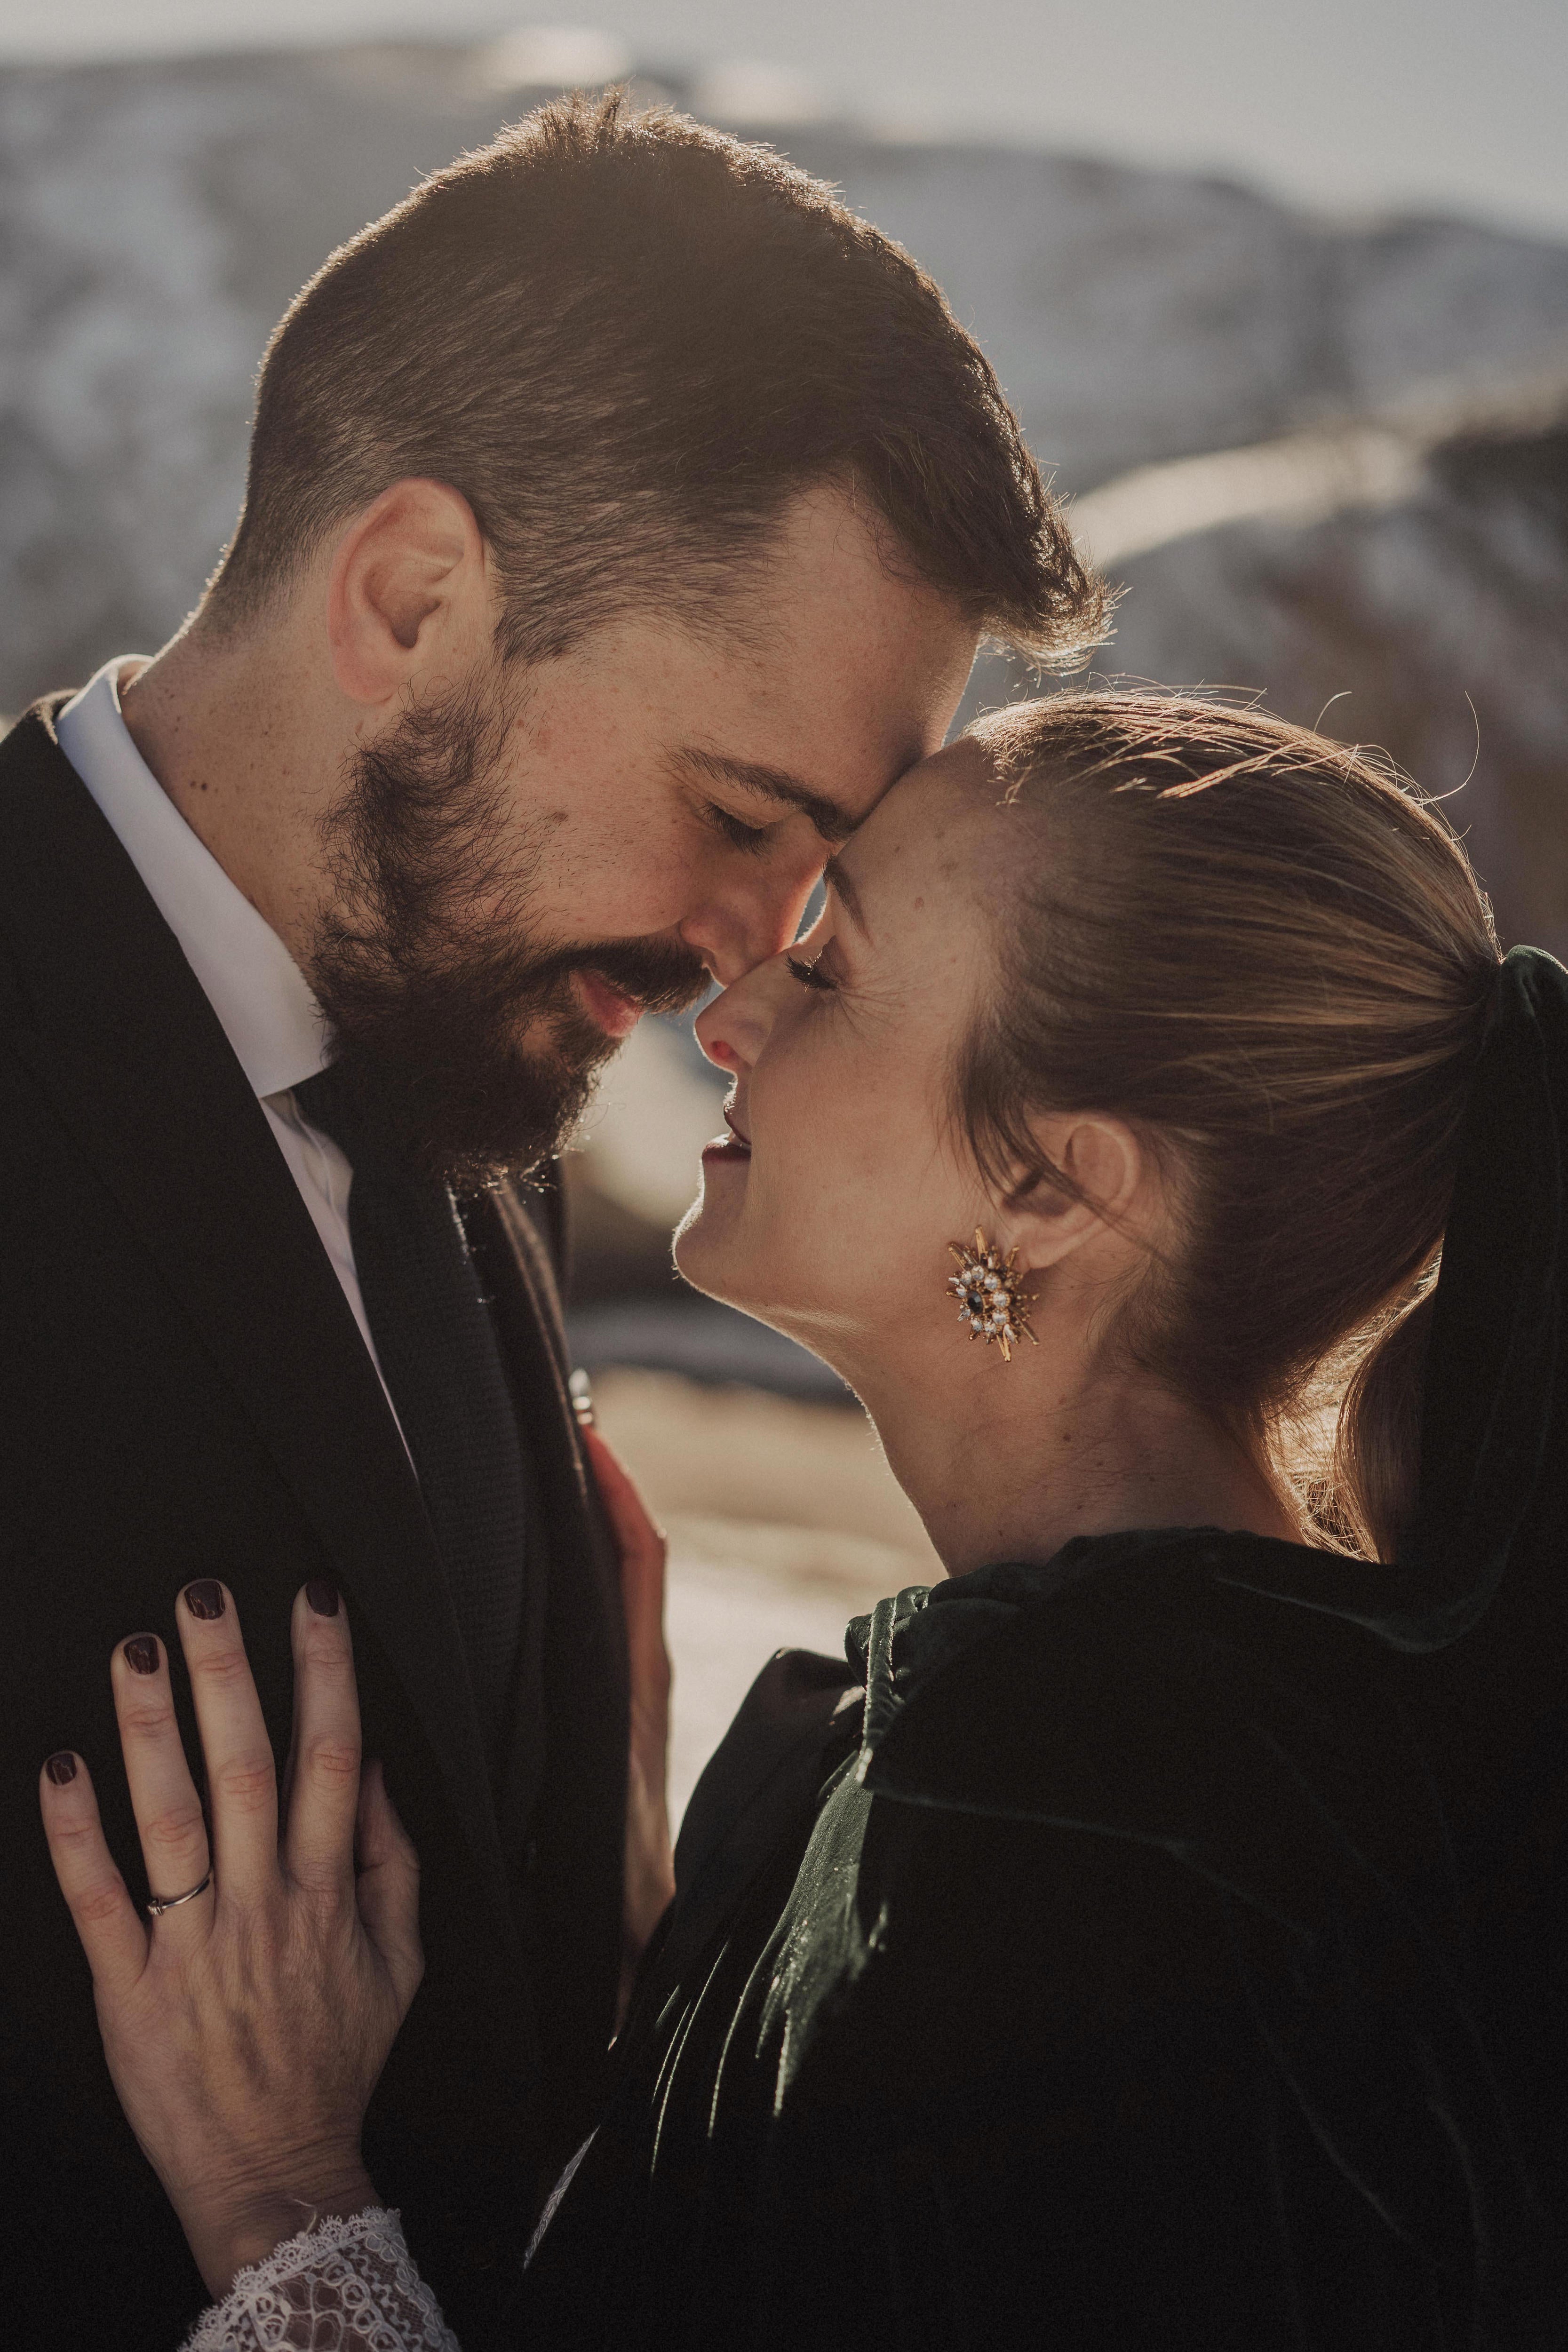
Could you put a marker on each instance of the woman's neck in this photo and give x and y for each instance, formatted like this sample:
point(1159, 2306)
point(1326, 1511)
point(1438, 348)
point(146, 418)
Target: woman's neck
point(1012, 1464)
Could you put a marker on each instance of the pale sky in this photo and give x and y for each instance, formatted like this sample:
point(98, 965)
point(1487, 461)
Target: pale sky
point(1358, 105)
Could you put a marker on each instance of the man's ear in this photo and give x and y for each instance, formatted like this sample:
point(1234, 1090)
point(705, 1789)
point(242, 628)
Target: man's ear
point(1105, 1161)
point(408, 587)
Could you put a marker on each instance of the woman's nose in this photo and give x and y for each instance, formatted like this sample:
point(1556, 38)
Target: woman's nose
point(731, 1029)
point(712, 1022)
point(720, 1051)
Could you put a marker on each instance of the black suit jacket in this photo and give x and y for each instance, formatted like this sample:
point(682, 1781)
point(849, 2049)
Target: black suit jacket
point(184, 1393)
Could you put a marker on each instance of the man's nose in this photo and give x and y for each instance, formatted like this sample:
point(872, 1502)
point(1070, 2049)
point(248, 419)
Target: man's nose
point(735, 935)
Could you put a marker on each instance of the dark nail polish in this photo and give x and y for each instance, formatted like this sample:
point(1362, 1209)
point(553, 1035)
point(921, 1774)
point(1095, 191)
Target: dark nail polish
point(204, 1597)
point(141, 1653)
point(61, 1769)
point(322, 1597)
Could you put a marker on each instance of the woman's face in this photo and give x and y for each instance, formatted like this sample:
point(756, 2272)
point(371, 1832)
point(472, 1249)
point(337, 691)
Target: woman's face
point(829, 1211)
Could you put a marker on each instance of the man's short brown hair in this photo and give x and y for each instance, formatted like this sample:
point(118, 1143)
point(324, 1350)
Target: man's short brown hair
point(628, 341)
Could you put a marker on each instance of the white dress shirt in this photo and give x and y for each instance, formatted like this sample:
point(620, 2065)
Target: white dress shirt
point(249, 976)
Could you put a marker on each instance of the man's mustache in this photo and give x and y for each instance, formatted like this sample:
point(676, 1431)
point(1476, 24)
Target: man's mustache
point(661, 975)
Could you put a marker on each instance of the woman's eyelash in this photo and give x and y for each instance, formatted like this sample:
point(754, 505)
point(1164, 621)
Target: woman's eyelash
point(808, 975)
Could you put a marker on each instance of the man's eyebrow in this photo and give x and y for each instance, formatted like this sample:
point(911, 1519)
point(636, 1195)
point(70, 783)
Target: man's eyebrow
point(829, 820)
point(846, 894)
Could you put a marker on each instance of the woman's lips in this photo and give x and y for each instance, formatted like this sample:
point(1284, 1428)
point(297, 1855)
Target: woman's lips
point(617, 1014)
point(732, 1147)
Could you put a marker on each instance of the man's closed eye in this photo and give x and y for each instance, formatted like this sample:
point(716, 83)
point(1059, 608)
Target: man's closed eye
point(735, 830)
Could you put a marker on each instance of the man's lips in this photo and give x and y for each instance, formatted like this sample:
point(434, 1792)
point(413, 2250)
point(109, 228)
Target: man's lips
point(616, 1012)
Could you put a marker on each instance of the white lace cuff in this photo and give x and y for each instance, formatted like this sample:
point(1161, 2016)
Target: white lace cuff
point(340, 2285)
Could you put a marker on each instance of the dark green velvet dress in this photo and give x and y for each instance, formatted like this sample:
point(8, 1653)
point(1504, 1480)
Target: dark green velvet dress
point(1165, 1945)
point(1167, 1963)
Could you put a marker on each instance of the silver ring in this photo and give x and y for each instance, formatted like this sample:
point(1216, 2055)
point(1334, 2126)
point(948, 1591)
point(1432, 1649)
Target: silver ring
point(158, 1904)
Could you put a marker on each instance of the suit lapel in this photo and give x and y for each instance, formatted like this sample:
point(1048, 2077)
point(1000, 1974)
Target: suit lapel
point(122, 1039)
point(578, 1568)
point(576, 1825)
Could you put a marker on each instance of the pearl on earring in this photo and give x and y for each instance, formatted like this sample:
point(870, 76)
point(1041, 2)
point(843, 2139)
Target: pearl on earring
point(992, 1299)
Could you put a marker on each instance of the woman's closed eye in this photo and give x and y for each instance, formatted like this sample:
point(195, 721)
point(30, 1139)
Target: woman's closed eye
point(810, 975)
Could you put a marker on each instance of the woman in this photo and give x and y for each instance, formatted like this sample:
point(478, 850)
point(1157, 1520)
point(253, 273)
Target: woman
point(1149, 1935)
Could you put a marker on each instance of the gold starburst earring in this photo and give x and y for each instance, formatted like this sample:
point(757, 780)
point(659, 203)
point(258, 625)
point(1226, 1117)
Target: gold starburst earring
point(991, 1296)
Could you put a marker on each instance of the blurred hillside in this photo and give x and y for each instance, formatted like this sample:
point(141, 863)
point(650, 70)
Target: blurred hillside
point(158, 216)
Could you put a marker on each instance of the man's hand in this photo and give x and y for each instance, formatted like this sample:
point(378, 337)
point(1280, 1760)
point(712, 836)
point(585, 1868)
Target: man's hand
point(245, 2028)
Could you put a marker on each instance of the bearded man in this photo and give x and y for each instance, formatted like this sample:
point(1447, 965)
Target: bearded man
point(622, 518)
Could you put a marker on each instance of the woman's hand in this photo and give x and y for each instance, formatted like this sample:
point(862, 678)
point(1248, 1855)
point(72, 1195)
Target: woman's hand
point(245, 2029)
point(651, 1869)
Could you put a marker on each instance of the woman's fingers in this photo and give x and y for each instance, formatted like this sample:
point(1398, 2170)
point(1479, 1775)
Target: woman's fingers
point(388, 1885)
point(245, 2053)
point(635, 1531)
point(324, 1762)
point(112, 1934)
point(169, 1818)
point(242, 1780)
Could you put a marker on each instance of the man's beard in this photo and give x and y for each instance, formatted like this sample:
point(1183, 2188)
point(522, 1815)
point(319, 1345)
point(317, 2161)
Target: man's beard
point(427, 1002)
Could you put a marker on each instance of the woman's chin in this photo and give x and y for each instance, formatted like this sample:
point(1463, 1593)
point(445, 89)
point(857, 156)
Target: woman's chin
point(699, 1251)
point(719, 1262)
point(715, 1256)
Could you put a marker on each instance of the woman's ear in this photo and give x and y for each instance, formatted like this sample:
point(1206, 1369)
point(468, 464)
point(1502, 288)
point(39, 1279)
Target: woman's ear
point(1103, 1160)
point(407, 592)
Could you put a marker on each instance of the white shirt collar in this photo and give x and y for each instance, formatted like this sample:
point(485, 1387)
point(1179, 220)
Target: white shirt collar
point(250, 979)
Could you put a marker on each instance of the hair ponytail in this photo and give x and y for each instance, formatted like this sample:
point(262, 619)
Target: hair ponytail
point(1377, 1446)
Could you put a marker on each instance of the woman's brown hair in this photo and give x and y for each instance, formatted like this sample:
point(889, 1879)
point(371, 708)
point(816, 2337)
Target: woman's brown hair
point(1270, 956)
